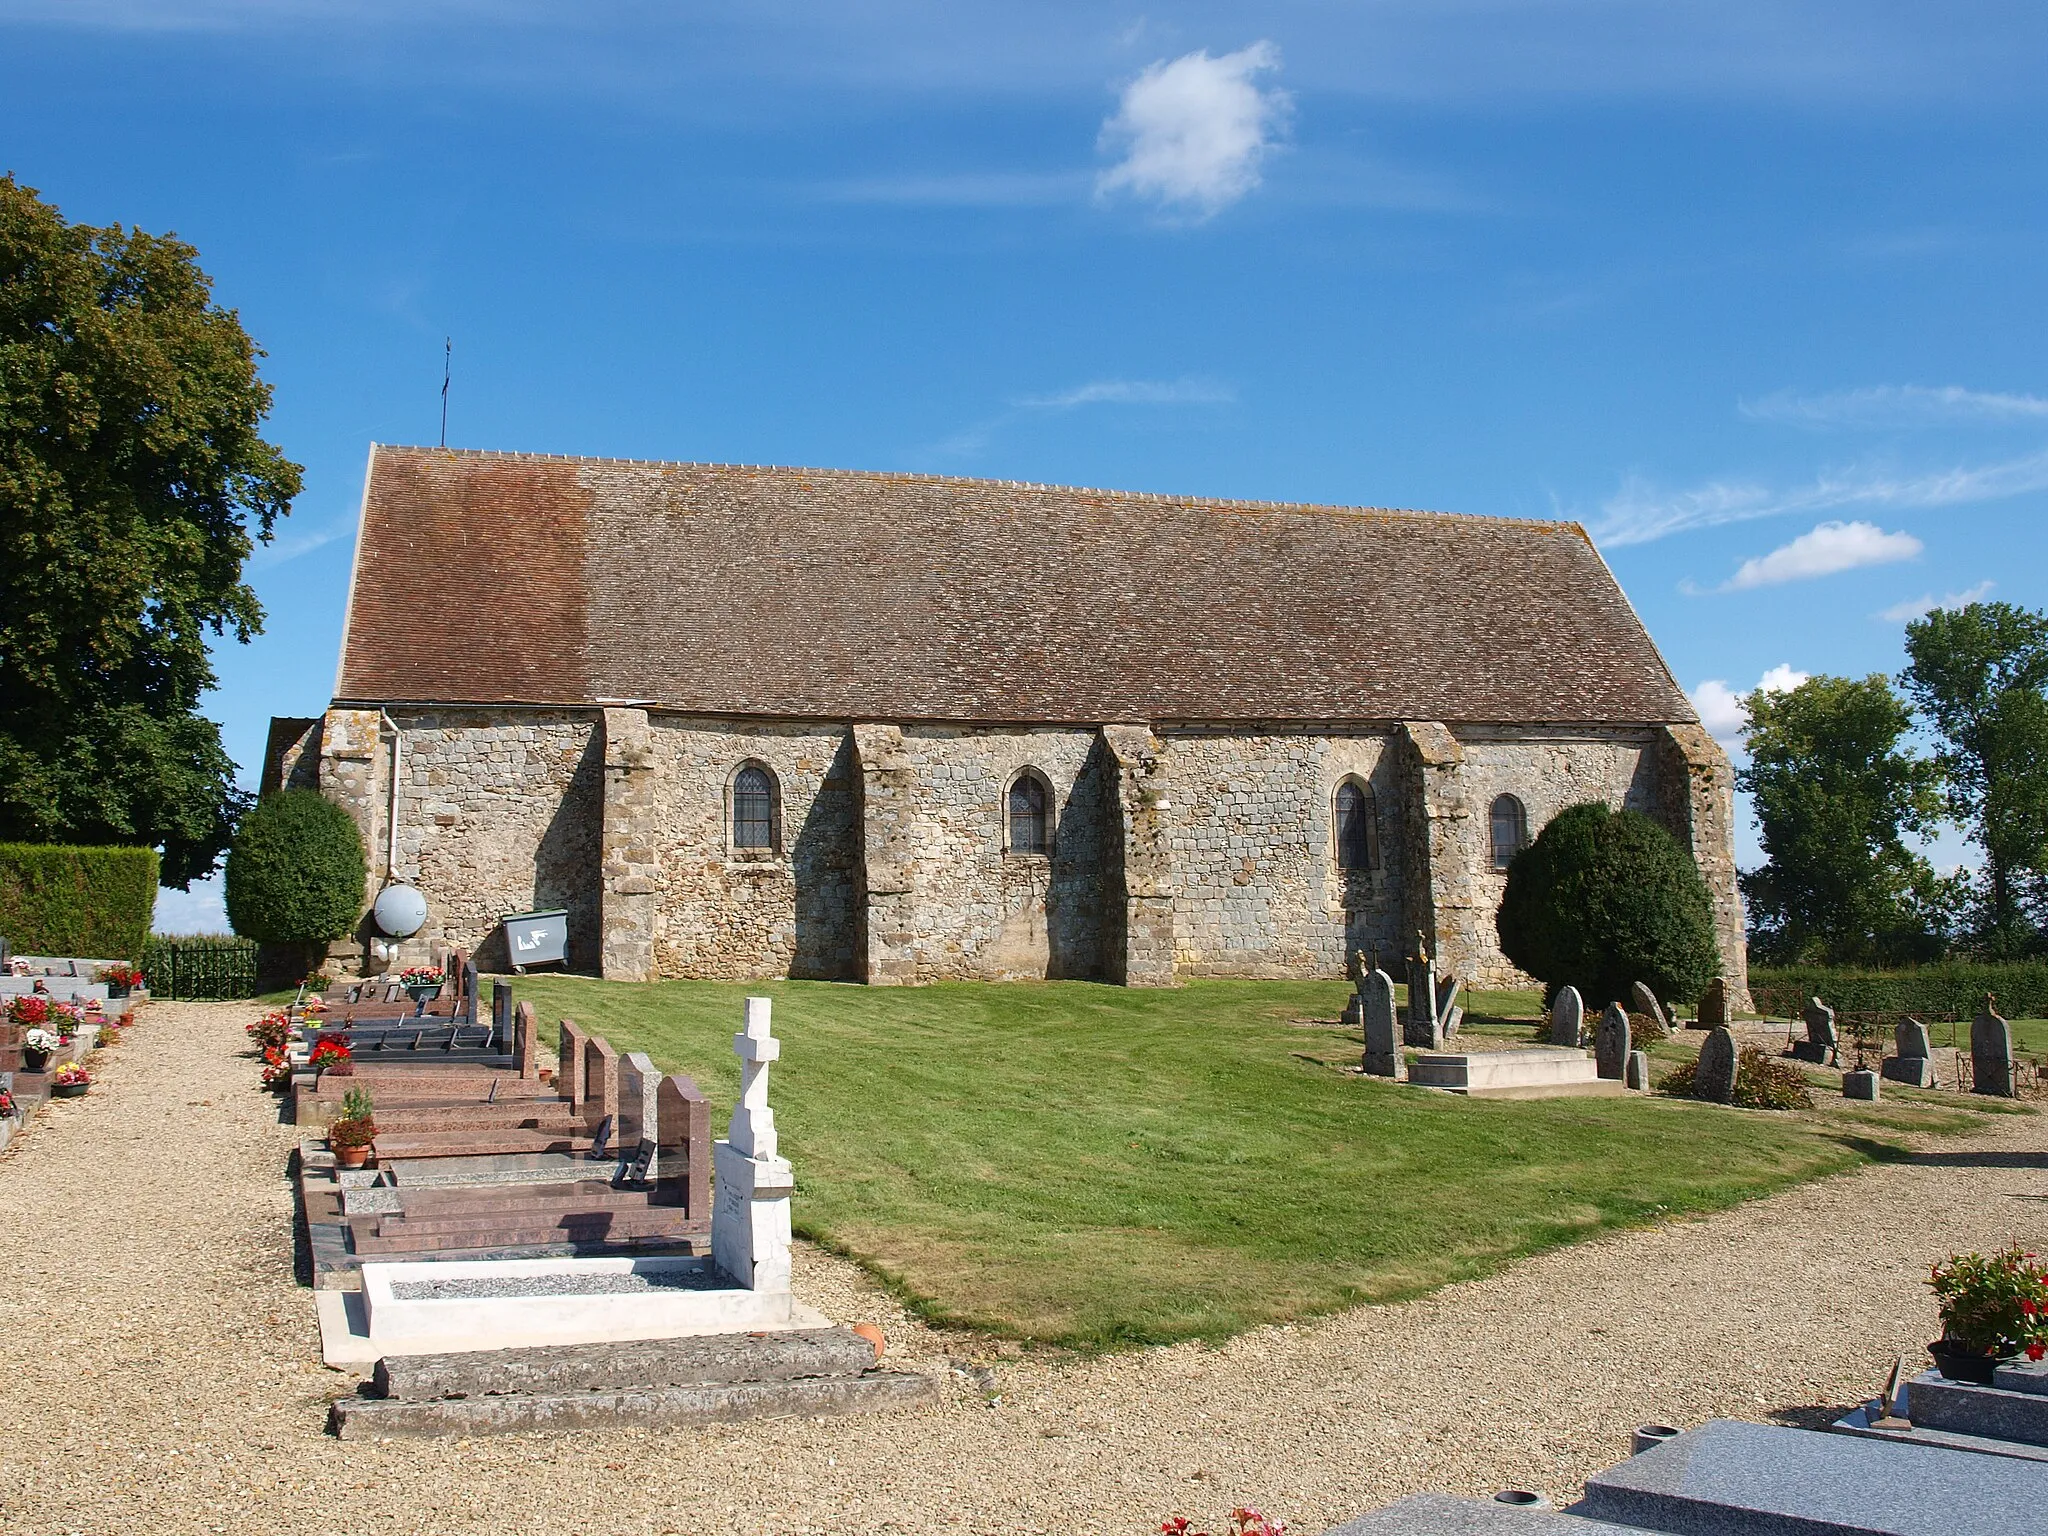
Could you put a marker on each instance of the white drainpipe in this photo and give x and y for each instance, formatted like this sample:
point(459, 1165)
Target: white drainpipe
point(391, 810)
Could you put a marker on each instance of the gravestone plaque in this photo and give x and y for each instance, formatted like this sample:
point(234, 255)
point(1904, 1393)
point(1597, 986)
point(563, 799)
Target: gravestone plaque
point(1821, 1040)
point(639, 1112)
point(1610, 1043)
point(1638, 1071)
point(1382, 1042)
point(1714, 1078)
point(1642, 1000)
point(1991, 1068)
point(1450, 1013)
point(1423, 1030)
point(1568, 1019)
point(1714, 1003)
point(1859, 1085)
point(1912, 1065)
point(569, 1064)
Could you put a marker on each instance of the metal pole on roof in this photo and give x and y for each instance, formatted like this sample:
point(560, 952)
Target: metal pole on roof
point(447, 365)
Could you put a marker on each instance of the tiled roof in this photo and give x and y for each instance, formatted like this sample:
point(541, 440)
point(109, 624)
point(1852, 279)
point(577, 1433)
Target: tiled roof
point(520, 578)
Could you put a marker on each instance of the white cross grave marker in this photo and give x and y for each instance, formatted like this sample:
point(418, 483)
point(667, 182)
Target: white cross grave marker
point(750, 1230)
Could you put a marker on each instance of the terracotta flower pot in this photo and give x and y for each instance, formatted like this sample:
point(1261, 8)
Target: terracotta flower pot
point(351, 1157)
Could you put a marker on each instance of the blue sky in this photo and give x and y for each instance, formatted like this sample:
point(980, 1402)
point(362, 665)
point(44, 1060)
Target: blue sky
point(1753, 289)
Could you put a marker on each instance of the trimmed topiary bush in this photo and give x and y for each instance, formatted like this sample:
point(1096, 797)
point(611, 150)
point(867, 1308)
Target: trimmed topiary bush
point(95, 903)
point(295, 872)
point(1604, 898)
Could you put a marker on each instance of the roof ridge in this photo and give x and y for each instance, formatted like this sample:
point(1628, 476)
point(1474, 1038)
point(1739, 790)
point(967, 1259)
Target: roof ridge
point(1557, 525)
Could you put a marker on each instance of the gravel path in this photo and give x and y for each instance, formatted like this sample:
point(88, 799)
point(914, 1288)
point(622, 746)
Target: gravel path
point(158, 1363)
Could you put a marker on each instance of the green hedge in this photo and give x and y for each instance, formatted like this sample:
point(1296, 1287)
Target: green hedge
point(1952, 990)
point(199, 967)
point(93, 903)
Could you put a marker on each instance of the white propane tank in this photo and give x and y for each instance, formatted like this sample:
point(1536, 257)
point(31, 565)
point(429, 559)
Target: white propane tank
point(399, 910)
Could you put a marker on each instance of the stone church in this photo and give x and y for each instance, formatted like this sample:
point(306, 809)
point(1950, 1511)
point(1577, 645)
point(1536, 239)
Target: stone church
point(752, 722)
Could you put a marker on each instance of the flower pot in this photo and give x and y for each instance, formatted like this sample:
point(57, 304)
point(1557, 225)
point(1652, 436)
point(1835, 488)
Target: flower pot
point(114, 991)
point(1960, 1364)
point(35, 1061)
point(423, 992)
point(351, 1157)
point(77, 1091)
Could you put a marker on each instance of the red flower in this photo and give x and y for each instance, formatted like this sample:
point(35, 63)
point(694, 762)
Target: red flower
point(2036, 1350)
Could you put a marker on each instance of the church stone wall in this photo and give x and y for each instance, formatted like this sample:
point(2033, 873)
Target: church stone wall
point(1257, 891)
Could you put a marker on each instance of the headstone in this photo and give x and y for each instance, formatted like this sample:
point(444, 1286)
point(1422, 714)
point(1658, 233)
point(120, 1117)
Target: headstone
point(1382, 1039)
point(1638, 1077)
point(1859, 1085)
point(1821, 1041)
point(569, 1064)
point(639, 1113)
point(1353, 1016)
point(750, 1228)
point(1714, 1077)
point(683, 1136)
point(1642, 1000)
point(1568, 1019)
point(1449, 1012)
point(1423, 1030)
point(600, 1080)
point(525, 1042)
point(1912, 1065)
point(1714, 1003)
point(1610, 1043)
point(1991, 1067)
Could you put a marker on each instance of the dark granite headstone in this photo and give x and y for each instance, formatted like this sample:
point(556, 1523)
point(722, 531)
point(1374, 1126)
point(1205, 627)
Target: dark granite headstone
point(1610, 1043)
point(1568, 1019)
point(1912, 1065)
point(1422, 1030)
point(1382, 1038)
point(1714, 1077)
point(1859, 1085)
point(1821, 1041)
point(1991, 1066)
point(1714, 1003)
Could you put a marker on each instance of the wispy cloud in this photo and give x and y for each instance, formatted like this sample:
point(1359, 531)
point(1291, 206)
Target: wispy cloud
point(1892, 406)
point(1133, 392)
point(1720, 707)
point(1919, 607)
point(1192, 133)
point(302, 542)
point(1640, 512)
point(1826, 551)
point(972, 439)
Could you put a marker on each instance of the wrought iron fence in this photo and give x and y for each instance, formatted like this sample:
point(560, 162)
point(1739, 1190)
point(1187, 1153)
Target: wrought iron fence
point(200, 970)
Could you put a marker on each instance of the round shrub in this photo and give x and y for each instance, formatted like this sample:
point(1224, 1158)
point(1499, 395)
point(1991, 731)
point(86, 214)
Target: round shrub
point(1604, 898)
point(295, 870)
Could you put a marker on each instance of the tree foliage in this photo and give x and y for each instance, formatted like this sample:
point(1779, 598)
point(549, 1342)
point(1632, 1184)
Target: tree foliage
point(1603, 898)
point(1835, 795)
point(133, 482)
point(296, 873)
point(1981, 675)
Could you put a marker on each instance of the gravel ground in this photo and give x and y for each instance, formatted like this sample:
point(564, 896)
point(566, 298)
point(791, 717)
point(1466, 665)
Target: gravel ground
point(158, 1363)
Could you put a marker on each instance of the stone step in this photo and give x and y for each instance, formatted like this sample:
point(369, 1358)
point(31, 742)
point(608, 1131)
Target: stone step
point(366, 1233)
point(478, 1143)
point(358, 1418)
point(408, 1118)
point(413, 1174)
point(707, 1360)
point(1961, 1408)
point(455, 1218)
point(596, 1193)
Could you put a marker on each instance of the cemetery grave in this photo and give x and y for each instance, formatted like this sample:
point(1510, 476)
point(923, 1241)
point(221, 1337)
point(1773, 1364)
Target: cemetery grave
point(520, 1205)
point(54, 1012)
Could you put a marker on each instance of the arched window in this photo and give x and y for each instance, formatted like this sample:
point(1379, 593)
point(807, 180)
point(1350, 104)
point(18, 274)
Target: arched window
point(1358, 833)
point(1510, 830)
point(1027, 814)
point(753, 808)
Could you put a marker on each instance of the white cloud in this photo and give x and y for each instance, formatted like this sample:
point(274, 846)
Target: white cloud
point(1192, 132)
point(1828, 549)
point(1134, 392)
point(1919, 607)
point(1639, 512)
point(1896, 405)
point(1720, 707)
point(202, 909)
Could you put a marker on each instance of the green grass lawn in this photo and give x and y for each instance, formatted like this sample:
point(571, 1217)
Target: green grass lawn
point(1088, 1165)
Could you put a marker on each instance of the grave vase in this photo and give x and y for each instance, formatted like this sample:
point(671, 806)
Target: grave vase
point(35, 1061)
point(1959, 1363)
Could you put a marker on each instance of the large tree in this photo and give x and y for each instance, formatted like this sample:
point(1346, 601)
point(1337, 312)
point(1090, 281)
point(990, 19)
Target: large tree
point(132, 484)
point(1981, 675)
point(1835, 796)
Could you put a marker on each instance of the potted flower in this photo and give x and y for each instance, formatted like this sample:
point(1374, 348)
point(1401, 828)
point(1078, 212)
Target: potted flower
point(277, 1067)
point(120, 979)
point(70, 1082)
point(422, 981)
point(66, 1019)
point(29, 1010)
point(1992, 1306)
point(272, 1031)
point(6, 1105)
point(37, 1047)
point(353, 1130)
point(331, 1054)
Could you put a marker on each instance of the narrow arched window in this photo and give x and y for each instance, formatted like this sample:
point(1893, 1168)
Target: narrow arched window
point(753, 808)
point(1358, 838)
point(1027, 814)
point(1510, 830)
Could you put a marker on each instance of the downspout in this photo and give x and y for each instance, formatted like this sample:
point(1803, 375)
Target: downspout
point(391, 808)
